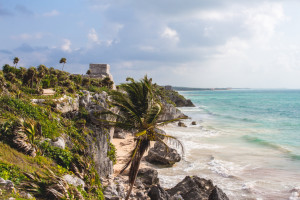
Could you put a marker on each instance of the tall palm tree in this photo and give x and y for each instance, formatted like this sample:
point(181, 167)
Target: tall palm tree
point(16, 60)
point(64, 61)
point(139, 109)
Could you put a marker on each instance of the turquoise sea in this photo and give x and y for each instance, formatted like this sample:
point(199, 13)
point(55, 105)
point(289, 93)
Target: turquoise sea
point(247, 141)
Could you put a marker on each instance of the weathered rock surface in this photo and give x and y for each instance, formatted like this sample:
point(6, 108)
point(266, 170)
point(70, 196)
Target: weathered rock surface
point(217, 194)
point(148, 176)
point(98, 142)
point(193, 123)
point(74, 180)
point(7, 185)
point(159, 154)
point(115, 189)
point(58, 142)
point(170, 112)
point(179, 100)
point(193, 187)
point(97, 148)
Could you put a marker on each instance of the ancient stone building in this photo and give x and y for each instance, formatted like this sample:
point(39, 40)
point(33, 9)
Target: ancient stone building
point(100, 71)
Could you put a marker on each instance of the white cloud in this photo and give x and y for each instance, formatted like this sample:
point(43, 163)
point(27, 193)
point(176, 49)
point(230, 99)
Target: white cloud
point(262, 20)
point(51, 13)
point(66, 46)
point(27, 36)
point(215, 15)
point(93, 36)
point(170, 34)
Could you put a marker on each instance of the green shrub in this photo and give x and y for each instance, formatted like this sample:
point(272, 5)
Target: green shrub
point(11, 172)
point(61, 156)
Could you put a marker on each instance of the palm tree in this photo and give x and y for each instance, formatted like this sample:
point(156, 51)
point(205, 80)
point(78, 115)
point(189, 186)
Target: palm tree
point(139, 109)
point(16, 60)
point(64, 61)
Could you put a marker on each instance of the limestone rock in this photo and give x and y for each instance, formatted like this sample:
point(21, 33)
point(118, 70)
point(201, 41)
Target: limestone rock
point(58, 142)
point(170, 112)
point(97, 148)
point(73, 180)
point(160, 155)
point(115, 189)
point(67, 104)
point(217, 194)
point(148, 176)
point(192, 187)
point(193, 123)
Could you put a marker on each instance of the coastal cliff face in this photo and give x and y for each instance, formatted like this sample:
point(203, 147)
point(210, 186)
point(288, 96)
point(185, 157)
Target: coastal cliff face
point(99, 140)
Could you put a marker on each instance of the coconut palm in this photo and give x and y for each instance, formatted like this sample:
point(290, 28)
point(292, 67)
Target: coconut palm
point(16, 60)
point(64, 61)
point(139, 109)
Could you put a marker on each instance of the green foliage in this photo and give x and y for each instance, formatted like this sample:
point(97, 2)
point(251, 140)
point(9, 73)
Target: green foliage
point(112, 153)
point(16, 108)
point(61, 156)
point(11, 172)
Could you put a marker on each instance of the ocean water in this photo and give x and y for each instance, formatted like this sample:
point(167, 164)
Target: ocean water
point(246, 141)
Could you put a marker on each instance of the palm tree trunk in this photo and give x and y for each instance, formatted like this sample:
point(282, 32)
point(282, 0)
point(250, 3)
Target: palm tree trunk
point(134, 178)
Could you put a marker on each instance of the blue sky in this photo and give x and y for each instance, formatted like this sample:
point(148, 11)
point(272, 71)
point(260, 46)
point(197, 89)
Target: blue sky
point(203, 43)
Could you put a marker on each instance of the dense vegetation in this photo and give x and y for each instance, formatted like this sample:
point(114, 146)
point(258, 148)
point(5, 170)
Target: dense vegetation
point(29, 160)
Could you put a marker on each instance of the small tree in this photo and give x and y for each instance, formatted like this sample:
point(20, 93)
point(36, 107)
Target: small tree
point(16, 60)
point(64, 61)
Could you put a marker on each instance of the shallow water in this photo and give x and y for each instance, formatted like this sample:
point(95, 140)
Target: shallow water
point(246, 141)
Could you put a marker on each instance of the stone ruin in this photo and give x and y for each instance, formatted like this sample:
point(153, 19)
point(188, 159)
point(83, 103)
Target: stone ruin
point(100, 71)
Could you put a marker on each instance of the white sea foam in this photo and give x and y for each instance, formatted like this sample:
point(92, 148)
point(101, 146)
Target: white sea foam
point(224, 168)
point(295, 194)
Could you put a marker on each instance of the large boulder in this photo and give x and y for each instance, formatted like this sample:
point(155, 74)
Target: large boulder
point(159, 154)
point(148, 176)
point(193, 187)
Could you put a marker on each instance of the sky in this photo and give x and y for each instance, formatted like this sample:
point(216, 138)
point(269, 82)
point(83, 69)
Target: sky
point(192, 43)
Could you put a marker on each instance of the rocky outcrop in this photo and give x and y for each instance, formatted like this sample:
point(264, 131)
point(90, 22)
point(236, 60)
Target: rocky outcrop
point(193, 187)
point(148, 177)
point(67, 104)
point(64, 104)
point(170, 112)
point(179, 100)
point(98, 141)
point(97, 148)
point(161, 155)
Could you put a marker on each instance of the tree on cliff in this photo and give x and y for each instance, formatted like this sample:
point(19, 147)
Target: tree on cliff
point(139, 109)
point(16, 60)
point(64, 61)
